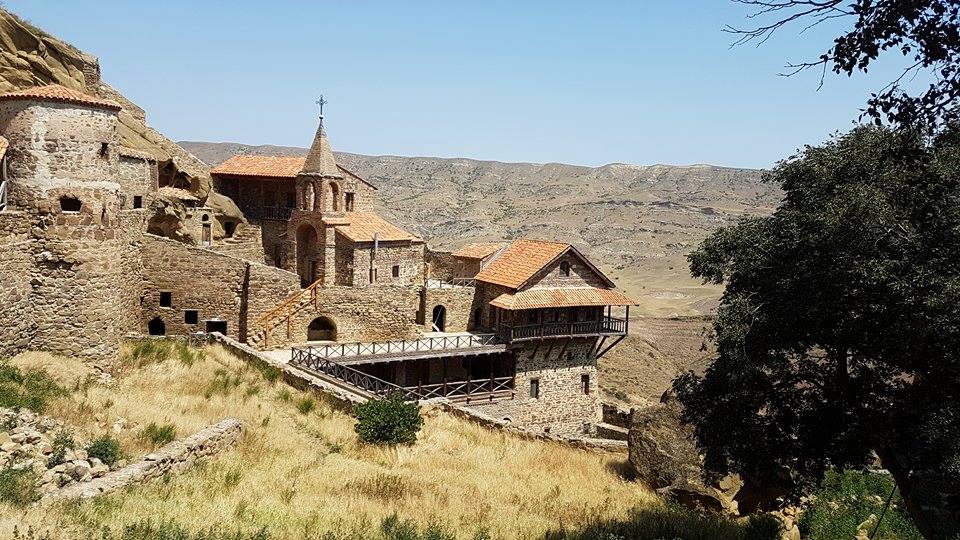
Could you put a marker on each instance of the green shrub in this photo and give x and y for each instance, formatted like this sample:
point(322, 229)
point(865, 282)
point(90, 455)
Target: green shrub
point(28, 389)
point(388, 421)
point(149, 351)
point(62, 442)
point(394, 528)
point(848, 498)
point(105, 448)
point(159, 435)
point(18, 486)
point(675, 521)
point(189, 355)
point(171, 530)
point(306, 405)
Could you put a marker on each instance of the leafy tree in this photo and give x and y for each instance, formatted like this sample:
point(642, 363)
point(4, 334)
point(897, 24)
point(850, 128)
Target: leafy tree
point(926, 33)
point(838, 332)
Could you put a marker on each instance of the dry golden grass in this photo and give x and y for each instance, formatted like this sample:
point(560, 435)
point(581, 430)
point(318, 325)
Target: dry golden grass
point(301, 475)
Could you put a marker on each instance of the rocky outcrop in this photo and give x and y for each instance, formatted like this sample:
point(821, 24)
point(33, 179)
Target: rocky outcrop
point(663, 454)
point(31, 57)
point(172, 458)
point(29, 441)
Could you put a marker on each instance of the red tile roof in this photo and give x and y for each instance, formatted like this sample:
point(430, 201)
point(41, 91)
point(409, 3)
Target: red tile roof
point(364, 225)
point(270, 167)
point(61, 94)
point(551, 298)
point(4, 143)
point(520, 261)
point(261, 166)
point(478, 250)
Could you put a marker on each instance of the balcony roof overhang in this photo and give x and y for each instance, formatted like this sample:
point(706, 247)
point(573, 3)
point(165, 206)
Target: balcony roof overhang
point(561, 297)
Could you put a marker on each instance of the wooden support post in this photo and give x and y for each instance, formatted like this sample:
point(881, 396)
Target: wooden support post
point(444, 376)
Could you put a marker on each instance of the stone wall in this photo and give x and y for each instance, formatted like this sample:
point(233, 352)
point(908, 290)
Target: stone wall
point(273, 238)
point(244, 244)
point(365, 314)
point(216, 285)
point(440, 265)
point(581, 275)
point(172, 458)
point(562, 407)
point(408, 256)
point(458, 303)
point(197, 279)
point(16, 269)
point(137, 177)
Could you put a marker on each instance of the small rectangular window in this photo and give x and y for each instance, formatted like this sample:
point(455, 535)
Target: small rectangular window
point(138, 201)
point(373, 275)
point(166, 299)
point(191, 316)
point(348, 201)
point(396, 270)
point(585, 383)
point(535, 388)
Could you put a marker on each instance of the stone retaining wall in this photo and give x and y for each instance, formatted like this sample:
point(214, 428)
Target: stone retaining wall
point(172, 458)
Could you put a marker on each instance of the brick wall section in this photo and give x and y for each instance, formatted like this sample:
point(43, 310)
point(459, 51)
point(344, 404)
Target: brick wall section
point(562, 408)
point(458, 302)
point(171, 459)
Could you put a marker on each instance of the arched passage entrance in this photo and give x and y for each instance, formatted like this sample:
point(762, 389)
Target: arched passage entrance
point(156, 327)
point(439, 319)
point(306, 248)
point(322, 329)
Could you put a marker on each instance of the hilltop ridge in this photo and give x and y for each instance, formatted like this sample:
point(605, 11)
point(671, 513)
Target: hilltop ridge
point(638, 221)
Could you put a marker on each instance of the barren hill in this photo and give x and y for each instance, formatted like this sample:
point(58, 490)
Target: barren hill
point(639, 222)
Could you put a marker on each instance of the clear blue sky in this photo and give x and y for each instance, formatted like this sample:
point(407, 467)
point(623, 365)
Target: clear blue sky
point(574, 82)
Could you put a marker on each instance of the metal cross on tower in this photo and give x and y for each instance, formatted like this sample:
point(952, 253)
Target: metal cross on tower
point(320, 103)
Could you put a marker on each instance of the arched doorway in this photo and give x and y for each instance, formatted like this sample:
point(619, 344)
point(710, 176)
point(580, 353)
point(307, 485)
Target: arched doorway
point(439, 320)
point(306, 249)
point(322, 329)
point(156, 327)
point(334, 197)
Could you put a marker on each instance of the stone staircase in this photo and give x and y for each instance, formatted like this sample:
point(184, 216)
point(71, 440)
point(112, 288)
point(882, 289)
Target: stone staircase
point(245, 243)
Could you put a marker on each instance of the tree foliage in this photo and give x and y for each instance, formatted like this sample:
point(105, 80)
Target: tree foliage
point(838, 331)
point(926, 33)
point(388, 421)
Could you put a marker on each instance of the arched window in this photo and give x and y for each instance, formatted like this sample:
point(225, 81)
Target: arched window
point(156, 327)
point(565, 269)
point(439, 320)
point(322, 329)
point(70, 204)
point(229, 228)
point(307, 196)
point(205, 218)
point(334, 197)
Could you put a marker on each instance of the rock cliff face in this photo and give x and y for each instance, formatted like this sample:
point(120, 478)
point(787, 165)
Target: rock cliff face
point(31, 57)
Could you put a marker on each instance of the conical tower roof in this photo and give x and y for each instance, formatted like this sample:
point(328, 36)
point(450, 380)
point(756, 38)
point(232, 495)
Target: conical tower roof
point(320, 161)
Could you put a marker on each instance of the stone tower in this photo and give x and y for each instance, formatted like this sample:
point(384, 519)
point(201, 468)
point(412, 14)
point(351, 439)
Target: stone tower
point(311, 230)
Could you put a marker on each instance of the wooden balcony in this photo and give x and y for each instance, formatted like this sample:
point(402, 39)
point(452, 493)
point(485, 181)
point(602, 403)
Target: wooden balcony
point(267, 212)
point(606, 326)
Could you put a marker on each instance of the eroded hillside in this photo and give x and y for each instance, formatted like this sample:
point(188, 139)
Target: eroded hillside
point(639, 222)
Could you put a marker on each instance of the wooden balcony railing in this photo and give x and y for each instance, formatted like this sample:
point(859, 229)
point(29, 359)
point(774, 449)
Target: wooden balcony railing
point(607, 326)
point(490, 388)
point(441, 343)
point(267, 212)
point(450, 283)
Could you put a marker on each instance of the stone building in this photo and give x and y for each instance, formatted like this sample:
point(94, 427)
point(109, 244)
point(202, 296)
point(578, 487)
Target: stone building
point(100, 241)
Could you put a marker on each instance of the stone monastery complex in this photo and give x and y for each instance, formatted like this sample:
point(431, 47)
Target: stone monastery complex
point(103, 241)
